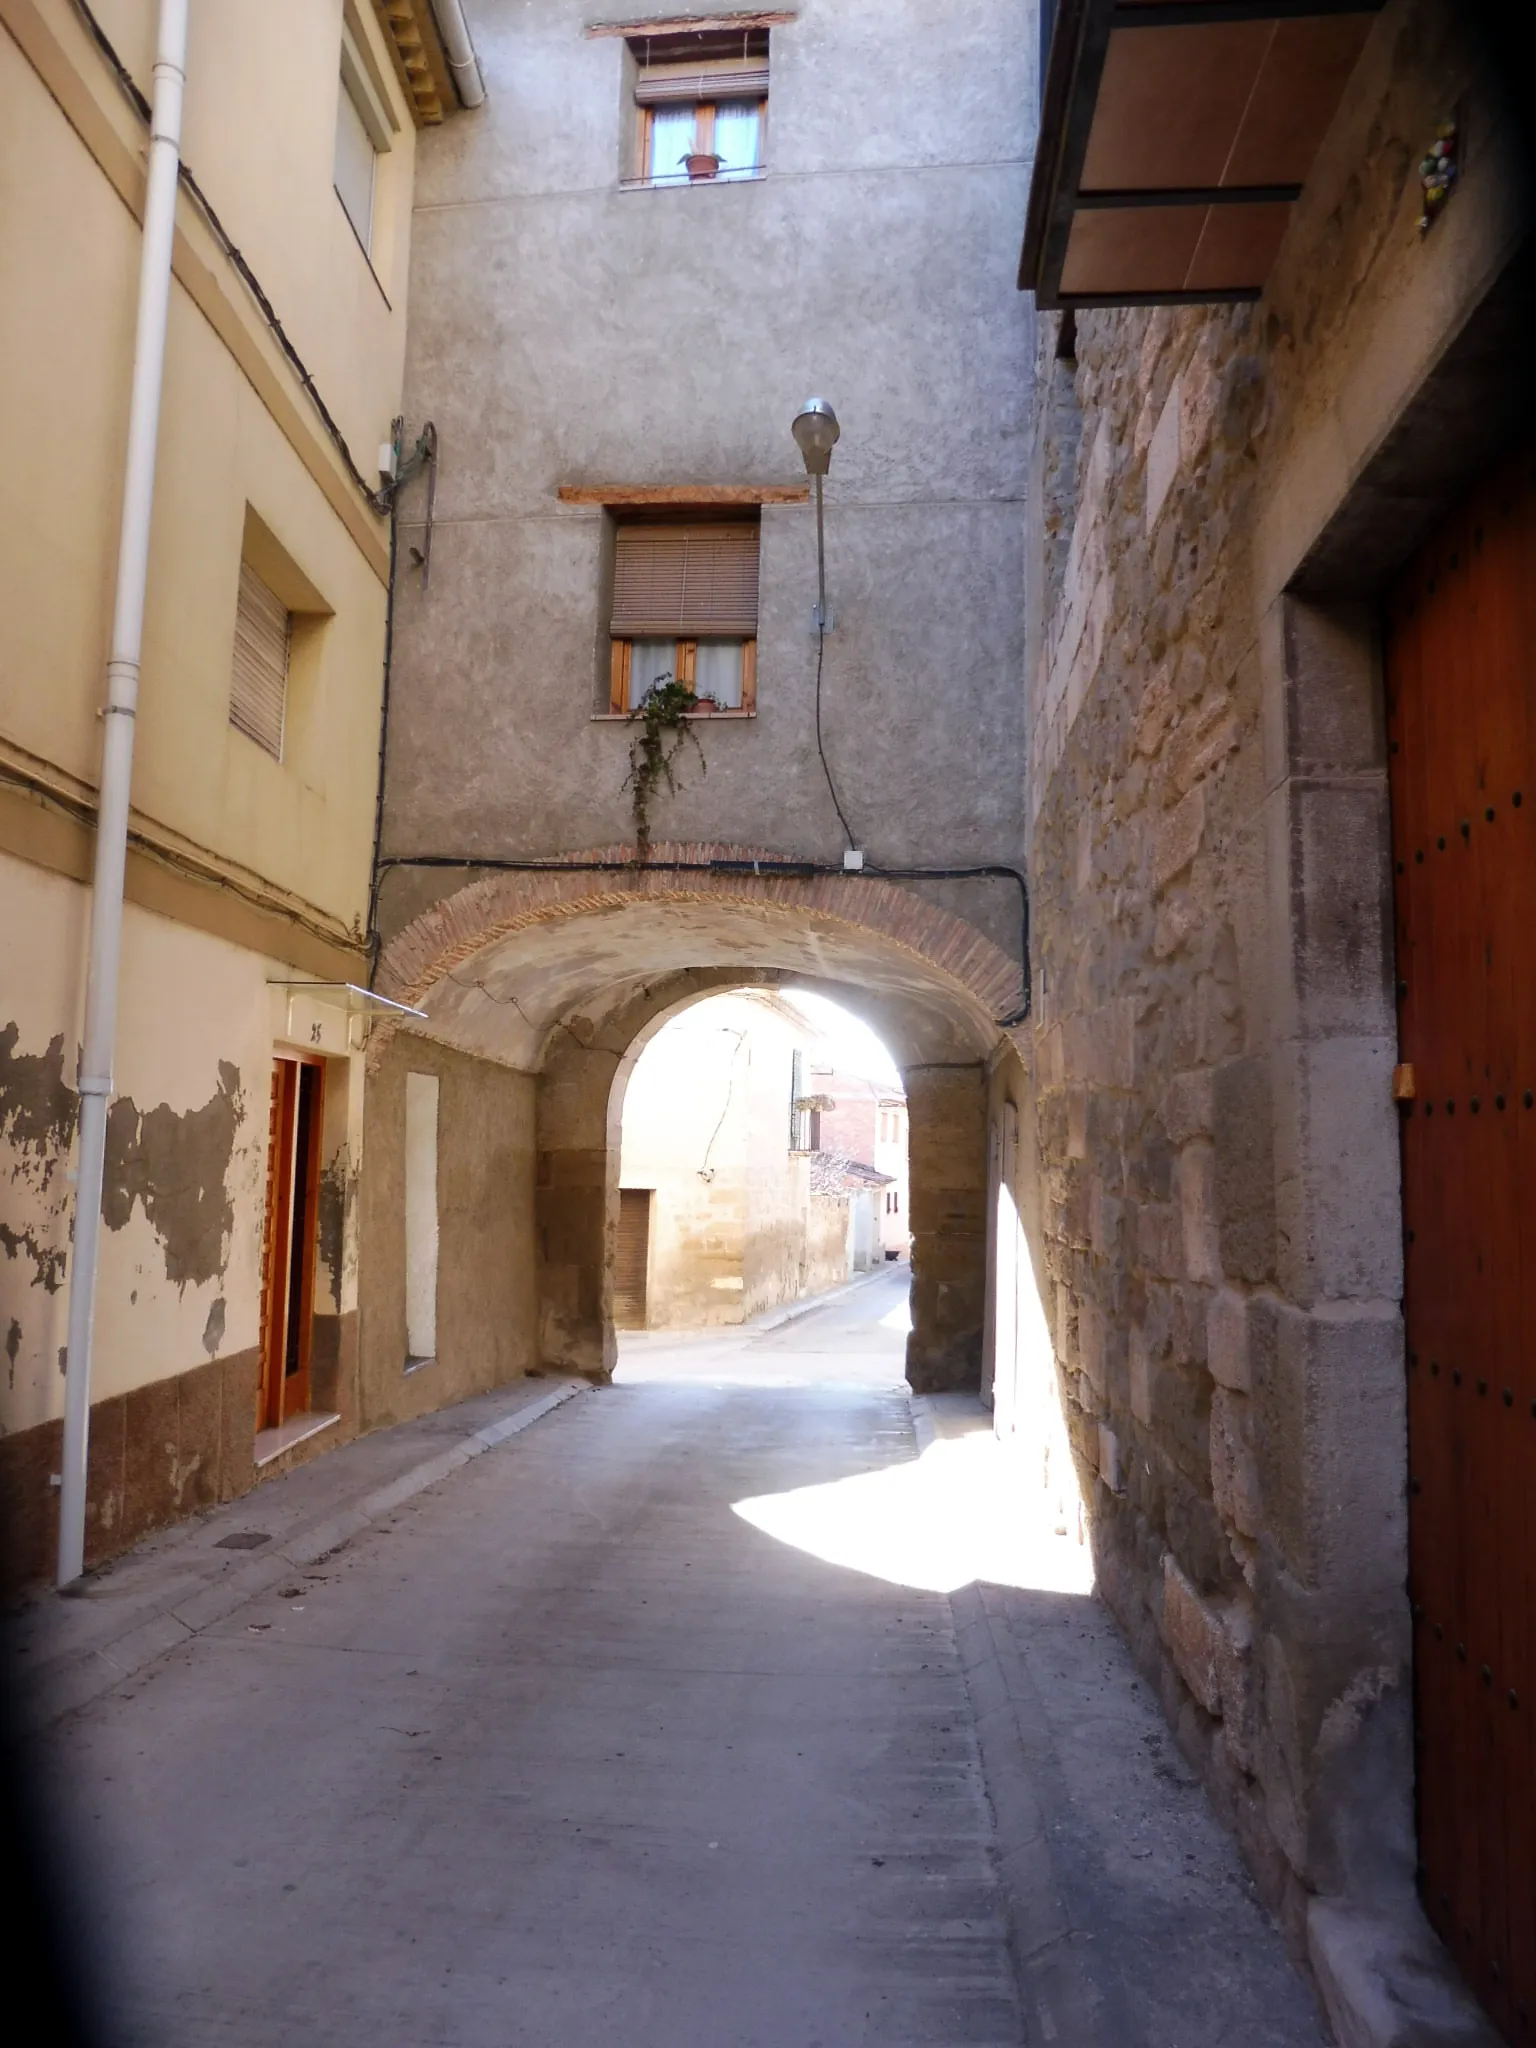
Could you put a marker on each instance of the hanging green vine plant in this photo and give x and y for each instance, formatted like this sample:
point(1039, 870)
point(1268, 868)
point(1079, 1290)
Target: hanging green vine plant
point(661, 715)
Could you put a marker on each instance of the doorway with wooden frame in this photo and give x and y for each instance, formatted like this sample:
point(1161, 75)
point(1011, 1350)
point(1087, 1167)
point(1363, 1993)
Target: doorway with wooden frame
point(290, 1238)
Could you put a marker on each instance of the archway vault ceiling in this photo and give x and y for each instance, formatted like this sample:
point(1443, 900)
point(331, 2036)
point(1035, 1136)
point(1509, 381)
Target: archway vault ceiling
point(580, 963)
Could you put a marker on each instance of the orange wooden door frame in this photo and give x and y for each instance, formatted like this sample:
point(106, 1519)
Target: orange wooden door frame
point(290, 1237)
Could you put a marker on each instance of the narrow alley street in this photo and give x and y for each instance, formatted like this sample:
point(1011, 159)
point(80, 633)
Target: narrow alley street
point(632, 1732)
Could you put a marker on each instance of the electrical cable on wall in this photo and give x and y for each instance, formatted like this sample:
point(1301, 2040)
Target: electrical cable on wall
point(800, 870)
point(706, 1171)
point(821, 648)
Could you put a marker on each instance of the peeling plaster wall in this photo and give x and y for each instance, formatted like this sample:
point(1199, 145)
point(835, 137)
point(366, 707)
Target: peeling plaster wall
point(186, 1150)
point(178, 1311)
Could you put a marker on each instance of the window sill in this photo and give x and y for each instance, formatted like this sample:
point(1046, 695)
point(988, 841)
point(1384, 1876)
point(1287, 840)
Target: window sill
point(692, 717)
point(414, 1364)
point(691, 184)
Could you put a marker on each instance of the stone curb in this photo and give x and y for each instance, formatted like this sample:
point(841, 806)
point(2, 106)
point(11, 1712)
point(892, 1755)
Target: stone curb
point(78, 1678)
point(1055, 1990)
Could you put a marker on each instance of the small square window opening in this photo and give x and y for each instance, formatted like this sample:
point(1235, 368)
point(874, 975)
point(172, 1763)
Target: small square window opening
point(702, 103)
point(685, 609)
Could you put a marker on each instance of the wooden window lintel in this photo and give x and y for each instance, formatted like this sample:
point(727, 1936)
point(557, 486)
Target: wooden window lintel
point(689, 24)
point(620, 496)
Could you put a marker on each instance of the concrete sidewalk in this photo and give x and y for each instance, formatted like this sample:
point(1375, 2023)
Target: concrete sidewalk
point(71, 1648)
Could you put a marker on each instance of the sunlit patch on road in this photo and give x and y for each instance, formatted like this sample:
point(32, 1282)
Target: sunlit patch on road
point(964, 1512)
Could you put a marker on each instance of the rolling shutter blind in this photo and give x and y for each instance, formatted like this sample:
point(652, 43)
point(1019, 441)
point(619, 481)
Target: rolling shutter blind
point(258, 689)
point(746, 82)
point(356, 162)
point(685, 580)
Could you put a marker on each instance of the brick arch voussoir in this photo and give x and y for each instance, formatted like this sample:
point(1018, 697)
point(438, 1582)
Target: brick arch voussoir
point(486, 911)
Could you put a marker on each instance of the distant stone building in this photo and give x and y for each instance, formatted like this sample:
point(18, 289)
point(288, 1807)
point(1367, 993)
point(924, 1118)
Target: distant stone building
point(867, 1121)
point(728, 1203)
point(861, 1190)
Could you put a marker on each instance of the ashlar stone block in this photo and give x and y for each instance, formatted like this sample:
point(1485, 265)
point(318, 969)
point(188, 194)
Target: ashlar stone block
point(1197, 1213)
point(1226, 1340)
point(1211, 1644)
point(1178, 837)
point(1189, 1106)
point(1234, 1475)
point(1143, 1366)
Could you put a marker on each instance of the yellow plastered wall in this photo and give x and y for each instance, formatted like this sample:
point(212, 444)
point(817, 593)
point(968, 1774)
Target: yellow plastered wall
point(259, 133)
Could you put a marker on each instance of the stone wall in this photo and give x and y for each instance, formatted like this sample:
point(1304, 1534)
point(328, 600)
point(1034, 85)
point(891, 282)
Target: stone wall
point(946, 1109)
point(1218, 1234)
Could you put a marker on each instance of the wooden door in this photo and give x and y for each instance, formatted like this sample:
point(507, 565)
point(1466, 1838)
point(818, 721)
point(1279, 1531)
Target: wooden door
point(290, 1238)
point(632, 1266)
point(1460, 667)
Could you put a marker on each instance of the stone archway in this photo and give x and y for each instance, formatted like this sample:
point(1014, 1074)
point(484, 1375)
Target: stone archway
point(565, 974)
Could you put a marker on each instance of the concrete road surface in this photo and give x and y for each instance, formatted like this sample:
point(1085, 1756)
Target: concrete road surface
point(649, 1726)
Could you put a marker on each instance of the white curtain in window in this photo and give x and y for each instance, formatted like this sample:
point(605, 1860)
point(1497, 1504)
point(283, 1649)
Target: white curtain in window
point(672, 131)
point(650, 662)
point(717, 673)
point(737, 124)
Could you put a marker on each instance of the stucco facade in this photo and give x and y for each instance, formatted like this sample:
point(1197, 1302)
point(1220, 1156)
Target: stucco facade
point(591, 349)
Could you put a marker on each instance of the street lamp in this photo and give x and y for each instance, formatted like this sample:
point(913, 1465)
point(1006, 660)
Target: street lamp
point(816, 430)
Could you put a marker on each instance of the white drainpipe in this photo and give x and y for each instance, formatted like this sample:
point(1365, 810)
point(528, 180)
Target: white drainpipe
point(460, 51)
point(117, 761)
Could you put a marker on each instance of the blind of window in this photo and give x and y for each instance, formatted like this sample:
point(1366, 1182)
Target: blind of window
point(685, 580)
point(356, 161)
point(258, 690)
point(746, 82)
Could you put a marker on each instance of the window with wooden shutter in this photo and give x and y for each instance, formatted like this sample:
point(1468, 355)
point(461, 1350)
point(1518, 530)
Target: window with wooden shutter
point(258, 690)
point(685, 609)
point(685, 580)
point(702, 101)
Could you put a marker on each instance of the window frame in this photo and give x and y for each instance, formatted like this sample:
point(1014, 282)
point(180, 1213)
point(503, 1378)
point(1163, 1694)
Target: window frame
point(377, 119)
point(703, 145)
point(685, 644)
point(621, 675)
